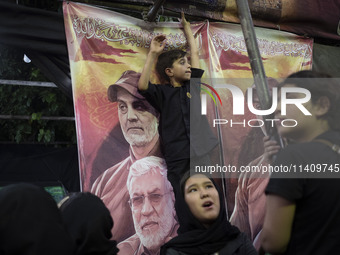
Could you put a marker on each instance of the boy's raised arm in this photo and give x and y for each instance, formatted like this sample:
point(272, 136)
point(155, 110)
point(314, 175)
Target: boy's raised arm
point(191, 42)
point(156, 48)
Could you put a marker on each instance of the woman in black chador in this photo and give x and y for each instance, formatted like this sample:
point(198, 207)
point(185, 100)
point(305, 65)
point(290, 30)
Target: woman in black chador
point(205, 228)
point(89, 223)
point(30, 223)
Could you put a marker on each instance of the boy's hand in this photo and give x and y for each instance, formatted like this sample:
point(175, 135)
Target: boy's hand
point(184, 22)
point(156, 47)
point(270, 149)
point(191, 42)
point(157, 44)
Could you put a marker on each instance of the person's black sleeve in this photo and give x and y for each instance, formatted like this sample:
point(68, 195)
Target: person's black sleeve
point(286, 185)
point(154, 95)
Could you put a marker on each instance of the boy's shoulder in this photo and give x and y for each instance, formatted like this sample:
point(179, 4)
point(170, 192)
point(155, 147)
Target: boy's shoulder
point(161, 84)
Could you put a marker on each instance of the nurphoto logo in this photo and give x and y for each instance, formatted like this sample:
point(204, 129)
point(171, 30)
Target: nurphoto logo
point(238, 100)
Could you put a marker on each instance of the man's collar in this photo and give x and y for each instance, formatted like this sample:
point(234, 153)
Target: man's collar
point(144, 251)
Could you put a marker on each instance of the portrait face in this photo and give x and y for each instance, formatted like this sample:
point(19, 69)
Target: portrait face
point(181, 69)
point(305, 127)
point(137, 119)
point(152, 208)
point(202, 199)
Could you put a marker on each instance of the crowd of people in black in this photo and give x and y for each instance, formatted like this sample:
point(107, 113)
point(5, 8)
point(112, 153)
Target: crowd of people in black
point(301, 217)
point(302, 214)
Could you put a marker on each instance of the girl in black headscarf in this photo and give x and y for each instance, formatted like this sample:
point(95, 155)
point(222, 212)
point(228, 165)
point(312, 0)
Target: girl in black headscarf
point(205, 228)
point(30, 223)
point(89, 223)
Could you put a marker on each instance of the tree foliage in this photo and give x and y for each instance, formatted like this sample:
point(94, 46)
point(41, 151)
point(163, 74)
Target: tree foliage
point(36, 102)
point(39, 102)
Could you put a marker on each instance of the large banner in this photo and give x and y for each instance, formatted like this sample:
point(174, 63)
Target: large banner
point(118, 139)
point(315, 18)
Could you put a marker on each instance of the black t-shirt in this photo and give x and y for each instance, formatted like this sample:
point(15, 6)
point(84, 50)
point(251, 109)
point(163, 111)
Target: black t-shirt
point(173, 103)
point(316, 225)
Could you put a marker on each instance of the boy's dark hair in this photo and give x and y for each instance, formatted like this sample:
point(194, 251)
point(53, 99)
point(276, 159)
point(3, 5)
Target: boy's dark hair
point(166, 60)
point(320, 85)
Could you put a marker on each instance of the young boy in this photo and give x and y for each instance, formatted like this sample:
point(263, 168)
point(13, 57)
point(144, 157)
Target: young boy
point(172, 100)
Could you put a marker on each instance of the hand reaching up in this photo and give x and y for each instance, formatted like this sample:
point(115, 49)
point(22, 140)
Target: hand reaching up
point(184, 22)
point(157, 44)
point(191, 42)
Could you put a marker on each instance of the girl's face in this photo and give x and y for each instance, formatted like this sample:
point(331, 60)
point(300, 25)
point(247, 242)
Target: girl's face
point(308, 126)
point(202, 198)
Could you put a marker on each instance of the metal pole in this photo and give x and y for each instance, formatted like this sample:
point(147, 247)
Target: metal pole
point(221, 158)
point(154, 10)
point(28, 83)
point(256, 65)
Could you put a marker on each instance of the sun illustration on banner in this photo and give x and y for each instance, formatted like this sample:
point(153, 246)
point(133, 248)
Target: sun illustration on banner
point(210, 94)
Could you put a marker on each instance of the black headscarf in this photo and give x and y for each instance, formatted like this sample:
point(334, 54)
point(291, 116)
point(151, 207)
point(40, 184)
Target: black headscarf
point(89, 223)
point(193, 237)
point(30, 223)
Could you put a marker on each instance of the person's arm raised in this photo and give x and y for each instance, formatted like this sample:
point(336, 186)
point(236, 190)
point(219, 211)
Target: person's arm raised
point(191, 42)
point(156, 48)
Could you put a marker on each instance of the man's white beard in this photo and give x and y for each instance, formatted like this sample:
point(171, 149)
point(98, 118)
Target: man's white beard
point(155, 240)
